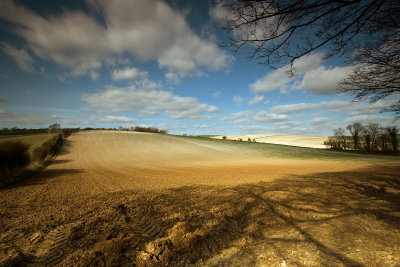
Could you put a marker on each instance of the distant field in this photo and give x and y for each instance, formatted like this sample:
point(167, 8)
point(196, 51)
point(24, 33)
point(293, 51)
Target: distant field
point(35, 140)
point(280, 139)
point(289, 152)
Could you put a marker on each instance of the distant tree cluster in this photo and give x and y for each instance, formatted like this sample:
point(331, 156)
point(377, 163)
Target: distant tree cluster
point(148, 130)
point(53, 128)
point(369, 138)
point(22, 131)
point(68, 131)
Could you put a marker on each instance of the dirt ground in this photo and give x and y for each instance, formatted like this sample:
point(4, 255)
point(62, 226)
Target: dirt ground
point(282, 139)
point(137, 199)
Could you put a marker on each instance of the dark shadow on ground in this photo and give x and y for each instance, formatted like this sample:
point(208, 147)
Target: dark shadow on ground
point(67, 144)
point(60, 161)
point(42, 177)
point(349, 218)
point(332, 218)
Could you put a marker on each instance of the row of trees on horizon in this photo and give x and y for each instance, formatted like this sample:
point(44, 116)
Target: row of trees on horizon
point(369, 138)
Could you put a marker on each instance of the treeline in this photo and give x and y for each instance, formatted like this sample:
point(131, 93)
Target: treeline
point(24, 131)
point(148, 130)
point(370, 138)
point(133, 128)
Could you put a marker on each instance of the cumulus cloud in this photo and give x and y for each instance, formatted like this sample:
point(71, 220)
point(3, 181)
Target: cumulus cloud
point(148, 101)
point(264, 122)
point(301, 107)
point(10, 119)
point(256, 99)
point(21, 56)
point(312, 77)
point(238, 99)
point(248, 117)
point(172, 77)
point(347, 107)
point(382, 120)
point(323, 81)
point(273, 80)
point(241, 114)
point(130, 74)
point(146, 29)
point(113, 119)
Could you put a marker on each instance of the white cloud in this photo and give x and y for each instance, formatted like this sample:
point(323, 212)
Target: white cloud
point(130, 74)
point(148, 101)
point(241, 114)
point(365, 119)
point(238, 99)
point(266, 117)
point(94, 75)
point(172, 77)
point(324, 81)
point(273, 80)
point(23, 59)
point(11, 119)
point(146, 29)
point(113, 119)
point(334, 105)
point(312, 76)
point(216, 93)
point(324, 121)
point(201, 127)
point(256, 99)
point(347, 107)
point(248, 117)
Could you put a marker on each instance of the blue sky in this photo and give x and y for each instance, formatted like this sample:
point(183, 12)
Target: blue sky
point(100, 63)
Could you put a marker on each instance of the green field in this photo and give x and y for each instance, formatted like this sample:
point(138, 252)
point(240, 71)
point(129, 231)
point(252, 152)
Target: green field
point(289, 152)
point(34, 140)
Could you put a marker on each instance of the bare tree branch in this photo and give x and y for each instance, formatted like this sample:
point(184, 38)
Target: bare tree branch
point(279, 32)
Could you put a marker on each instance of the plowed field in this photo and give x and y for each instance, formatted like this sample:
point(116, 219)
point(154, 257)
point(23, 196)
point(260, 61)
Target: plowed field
point(136, 199)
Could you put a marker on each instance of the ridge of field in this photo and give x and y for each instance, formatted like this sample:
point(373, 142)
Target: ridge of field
point(281, 139)
point(34, 140)
point(289, 152)
point(117, 198)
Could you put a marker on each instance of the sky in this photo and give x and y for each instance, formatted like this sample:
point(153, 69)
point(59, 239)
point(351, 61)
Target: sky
point(100, 63)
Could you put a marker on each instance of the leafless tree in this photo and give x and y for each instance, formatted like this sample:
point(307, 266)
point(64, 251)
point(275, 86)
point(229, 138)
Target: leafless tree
point(373, 131)
point(383, 138)
point(392, 133)
point(377, 74)
point(340, 136)
point(54, 126)
point(355, 129)
point(279, 32)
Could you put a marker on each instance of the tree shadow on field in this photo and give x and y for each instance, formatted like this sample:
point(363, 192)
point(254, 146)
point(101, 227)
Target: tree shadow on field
point(43, 177)
point(66, 147)
point(349, 218)
point(60, 161)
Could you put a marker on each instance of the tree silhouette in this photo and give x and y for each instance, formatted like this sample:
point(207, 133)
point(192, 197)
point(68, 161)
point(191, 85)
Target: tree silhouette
point(279, 32)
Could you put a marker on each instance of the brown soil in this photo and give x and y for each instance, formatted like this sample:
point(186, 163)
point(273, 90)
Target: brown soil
point(126, 199)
